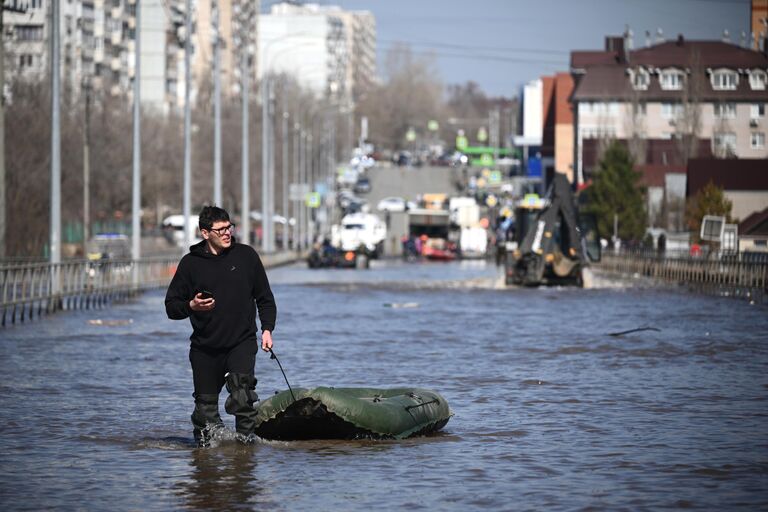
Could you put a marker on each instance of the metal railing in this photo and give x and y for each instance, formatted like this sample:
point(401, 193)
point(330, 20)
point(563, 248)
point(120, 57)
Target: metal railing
point(29, 290)
point(743, 275)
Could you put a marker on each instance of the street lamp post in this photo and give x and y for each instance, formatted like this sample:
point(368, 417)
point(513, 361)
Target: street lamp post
point(187, 200)
point(55, 232)
point(136, 198)
point(216, 106)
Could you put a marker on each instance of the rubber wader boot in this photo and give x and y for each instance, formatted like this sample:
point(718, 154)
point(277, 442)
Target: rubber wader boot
point(242, 396)
point(206, 419)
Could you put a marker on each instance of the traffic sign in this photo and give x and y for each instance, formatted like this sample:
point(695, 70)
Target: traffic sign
point(313, 200)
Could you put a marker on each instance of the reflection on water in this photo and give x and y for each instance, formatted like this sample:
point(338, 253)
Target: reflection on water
point(223, 478)
point(551, 411)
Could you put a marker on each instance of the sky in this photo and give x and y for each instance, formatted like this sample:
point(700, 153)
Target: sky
point(502, 44)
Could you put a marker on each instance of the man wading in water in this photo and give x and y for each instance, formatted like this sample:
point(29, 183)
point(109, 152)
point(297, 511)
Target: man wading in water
point(215, 285)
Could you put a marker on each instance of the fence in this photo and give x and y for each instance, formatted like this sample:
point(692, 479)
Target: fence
point(33, 289)
point(743, 275)
point(28, 290)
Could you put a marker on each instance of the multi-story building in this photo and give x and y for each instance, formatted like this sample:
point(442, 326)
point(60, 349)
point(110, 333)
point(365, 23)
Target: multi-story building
point(360, 30)
point(557, 139)
point(97, 41)
point(759, 22)
point(670, 101)
point(328, 50)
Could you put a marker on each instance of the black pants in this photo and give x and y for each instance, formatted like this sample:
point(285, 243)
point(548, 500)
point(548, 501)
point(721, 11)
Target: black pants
point(209, 366)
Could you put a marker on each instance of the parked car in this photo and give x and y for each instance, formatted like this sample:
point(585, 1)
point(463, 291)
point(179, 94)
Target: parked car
point(395, 204)
point(363, 186)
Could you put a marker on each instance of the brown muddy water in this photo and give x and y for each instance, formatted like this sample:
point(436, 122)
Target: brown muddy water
point(551, 413)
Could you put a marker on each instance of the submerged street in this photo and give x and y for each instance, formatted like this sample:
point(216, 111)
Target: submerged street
point(550, 412)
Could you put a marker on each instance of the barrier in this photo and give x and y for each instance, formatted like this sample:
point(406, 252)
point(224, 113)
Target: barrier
point(33, 289)
point(29, 290)
point(743, 275)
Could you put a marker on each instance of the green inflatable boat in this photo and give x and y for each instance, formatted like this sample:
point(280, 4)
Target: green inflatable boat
point(351, 413)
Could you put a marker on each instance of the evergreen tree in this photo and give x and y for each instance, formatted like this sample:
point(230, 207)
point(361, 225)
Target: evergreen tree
point(710, 200)
point(616, 190)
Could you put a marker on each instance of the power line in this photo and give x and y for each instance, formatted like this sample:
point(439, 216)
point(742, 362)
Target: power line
point(485, 48)
point(484, 57)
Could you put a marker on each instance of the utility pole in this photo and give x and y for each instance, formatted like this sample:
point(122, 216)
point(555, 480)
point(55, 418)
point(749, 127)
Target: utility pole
point(136, 193)
point(245, 60)
point(265, 157)
point(55, 234)
point(295, 182)
point(216, 106)
point(187, 125)
point(87, 167)
point(286, 211)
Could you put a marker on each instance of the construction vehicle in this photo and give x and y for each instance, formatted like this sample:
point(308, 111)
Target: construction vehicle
point(552, 243)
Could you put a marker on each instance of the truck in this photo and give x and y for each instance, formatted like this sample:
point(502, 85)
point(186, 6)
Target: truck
point(361, 232)
point(472, 237)
point(432, 228)
point(552, 243)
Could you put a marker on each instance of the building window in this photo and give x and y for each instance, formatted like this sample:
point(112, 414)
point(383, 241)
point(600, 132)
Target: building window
point(671, 79)
point(757, 140)
point(28, 33)
point(724, 80)
point(671, 110)
point(757, 79)
point(638, 109)
point(724, 144)
point(641, 79)
point(725, 110)
point(757, 110)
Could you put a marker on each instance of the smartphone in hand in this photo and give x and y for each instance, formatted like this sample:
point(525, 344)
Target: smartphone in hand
point(205, 294)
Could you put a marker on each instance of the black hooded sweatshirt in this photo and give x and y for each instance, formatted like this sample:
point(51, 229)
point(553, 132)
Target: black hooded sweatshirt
point(236, 277)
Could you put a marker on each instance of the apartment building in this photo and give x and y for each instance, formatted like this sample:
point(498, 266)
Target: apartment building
point(330, 51)
point(97, 41)
point(670, 101)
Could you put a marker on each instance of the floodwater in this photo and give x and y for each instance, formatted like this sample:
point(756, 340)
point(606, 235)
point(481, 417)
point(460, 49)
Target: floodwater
point(551, 413)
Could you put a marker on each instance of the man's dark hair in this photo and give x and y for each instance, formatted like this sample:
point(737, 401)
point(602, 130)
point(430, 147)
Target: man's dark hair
point(210, 215)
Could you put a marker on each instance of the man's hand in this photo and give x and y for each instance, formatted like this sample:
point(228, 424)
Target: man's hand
point(266, 341)
point(200, 304)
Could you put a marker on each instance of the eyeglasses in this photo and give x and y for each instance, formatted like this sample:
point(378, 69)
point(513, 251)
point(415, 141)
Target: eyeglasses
point(221, 231)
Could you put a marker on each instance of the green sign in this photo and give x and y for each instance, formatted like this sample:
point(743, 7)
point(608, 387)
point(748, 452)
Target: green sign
point(461, 142)
point(486, 159)
point(313, 200)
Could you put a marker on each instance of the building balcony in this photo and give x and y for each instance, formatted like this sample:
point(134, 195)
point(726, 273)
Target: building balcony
point(115, 64)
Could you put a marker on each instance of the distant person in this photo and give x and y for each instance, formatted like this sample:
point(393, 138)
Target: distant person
point(223, 342)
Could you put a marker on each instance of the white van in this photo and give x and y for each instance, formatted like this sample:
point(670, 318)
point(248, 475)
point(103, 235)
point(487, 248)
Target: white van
point(360, 229)
point(173, 227)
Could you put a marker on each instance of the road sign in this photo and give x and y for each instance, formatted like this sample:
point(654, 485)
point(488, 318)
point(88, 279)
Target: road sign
point(313, 200)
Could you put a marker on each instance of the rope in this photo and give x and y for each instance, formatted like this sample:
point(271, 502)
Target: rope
point(273, 356)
